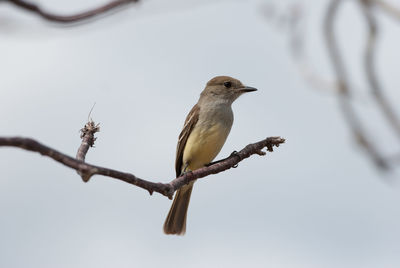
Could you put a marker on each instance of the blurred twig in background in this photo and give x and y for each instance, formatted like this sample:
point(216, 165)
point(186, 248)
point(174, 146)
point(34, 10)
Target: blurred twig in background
point(293, 19)
point(388, 8)
point(355, 123)
point(369, 65)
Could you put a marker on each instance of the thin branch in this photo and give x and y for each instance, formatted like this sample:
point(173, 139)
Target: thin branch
point(344, 93)
point(36, 9)
point(166, 189)
point(388, 8)
point(291, 19)
point(297, 44)
point(369, 63)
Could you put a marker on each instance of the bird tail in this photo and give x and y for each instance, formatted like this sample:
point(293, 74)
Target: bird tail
point(175, 223)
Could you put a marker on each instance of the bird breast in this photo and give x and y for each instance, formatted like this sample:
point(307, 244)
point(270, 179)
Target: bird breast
point(207, 137)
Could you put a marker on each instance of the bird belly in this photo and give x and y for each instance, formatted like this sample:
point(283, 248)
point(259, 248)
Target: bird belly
point(203, 145)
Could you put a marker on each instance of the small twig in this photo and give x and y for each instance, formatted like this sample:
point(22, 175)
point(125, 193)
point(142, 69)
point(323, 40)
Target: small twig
point(166, 189)
point(369, 65)
point(292, 20)
point(388, 8)
point(90, 112)
point(344, 93)
point(298, 50)
point(69, 18)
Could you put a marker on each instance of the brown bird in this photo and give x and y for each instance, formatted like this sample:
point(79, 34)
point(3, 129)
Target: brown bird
point(204, 133)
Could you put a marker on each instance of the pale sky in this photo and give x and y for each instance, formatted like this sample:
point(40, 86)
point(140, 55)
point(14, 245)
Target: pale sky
point(317, 201)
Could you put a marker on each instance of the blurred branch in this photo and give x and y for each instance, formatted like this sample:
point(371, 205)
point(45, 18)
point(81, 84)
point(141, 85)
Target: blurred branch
point(28, 6)
point(291, 18)
point(388, 8)
point(297, 47)
point(369, 64)
point(166, 189)
point(352, 119)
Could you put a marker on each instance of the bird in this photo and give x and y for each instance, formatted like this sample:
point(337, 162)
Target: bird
point(204, 133)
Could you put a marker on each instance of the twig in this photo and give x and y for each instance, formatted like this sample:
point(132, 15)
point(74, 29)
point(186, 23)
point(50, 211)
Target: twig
point(369, 63)
point(166, 189)
point(298, 49)
point(292, 20)
point(349, 113)
point(69, 18)
point(388, 8)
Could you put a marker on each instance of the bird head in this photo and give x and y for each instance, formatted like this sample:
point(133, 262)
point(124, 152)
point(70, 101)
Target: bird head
point(225, 88)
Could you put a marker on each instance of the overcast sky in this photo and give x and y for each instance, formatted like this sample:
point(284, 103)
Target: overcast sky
point(317, 201)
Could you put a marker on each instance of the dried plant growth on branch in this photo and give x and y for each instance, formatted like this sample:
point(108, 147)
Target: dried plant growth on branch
point(88, 139)
point(87, 170)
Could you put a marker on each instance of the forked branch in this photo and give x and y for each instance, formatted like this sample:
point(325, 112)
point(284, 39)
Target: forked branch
point(87, 170)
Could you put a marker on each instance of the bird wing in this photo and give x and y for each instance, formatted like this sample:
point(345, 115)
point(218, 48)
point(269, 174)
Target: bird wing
point(190, 122)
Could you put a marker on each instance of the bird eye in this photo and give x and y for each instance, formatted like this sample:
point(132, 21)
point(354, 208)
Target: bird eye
point(227, 84)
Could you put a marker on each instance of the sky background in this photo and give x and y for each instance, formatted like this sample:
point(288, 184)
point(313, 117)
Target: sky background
point(317, 201)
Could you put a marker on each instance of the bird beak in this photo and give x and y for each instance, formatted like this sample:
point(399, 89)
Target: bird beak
point(247, 89)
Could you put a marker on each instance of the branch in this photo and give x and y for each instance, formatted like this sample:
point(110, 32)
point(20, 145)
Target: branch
point(69, 18)
point(369, 64)
point(344, 93)
point(291, 19)
point(388, 8)
point(166, 189)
